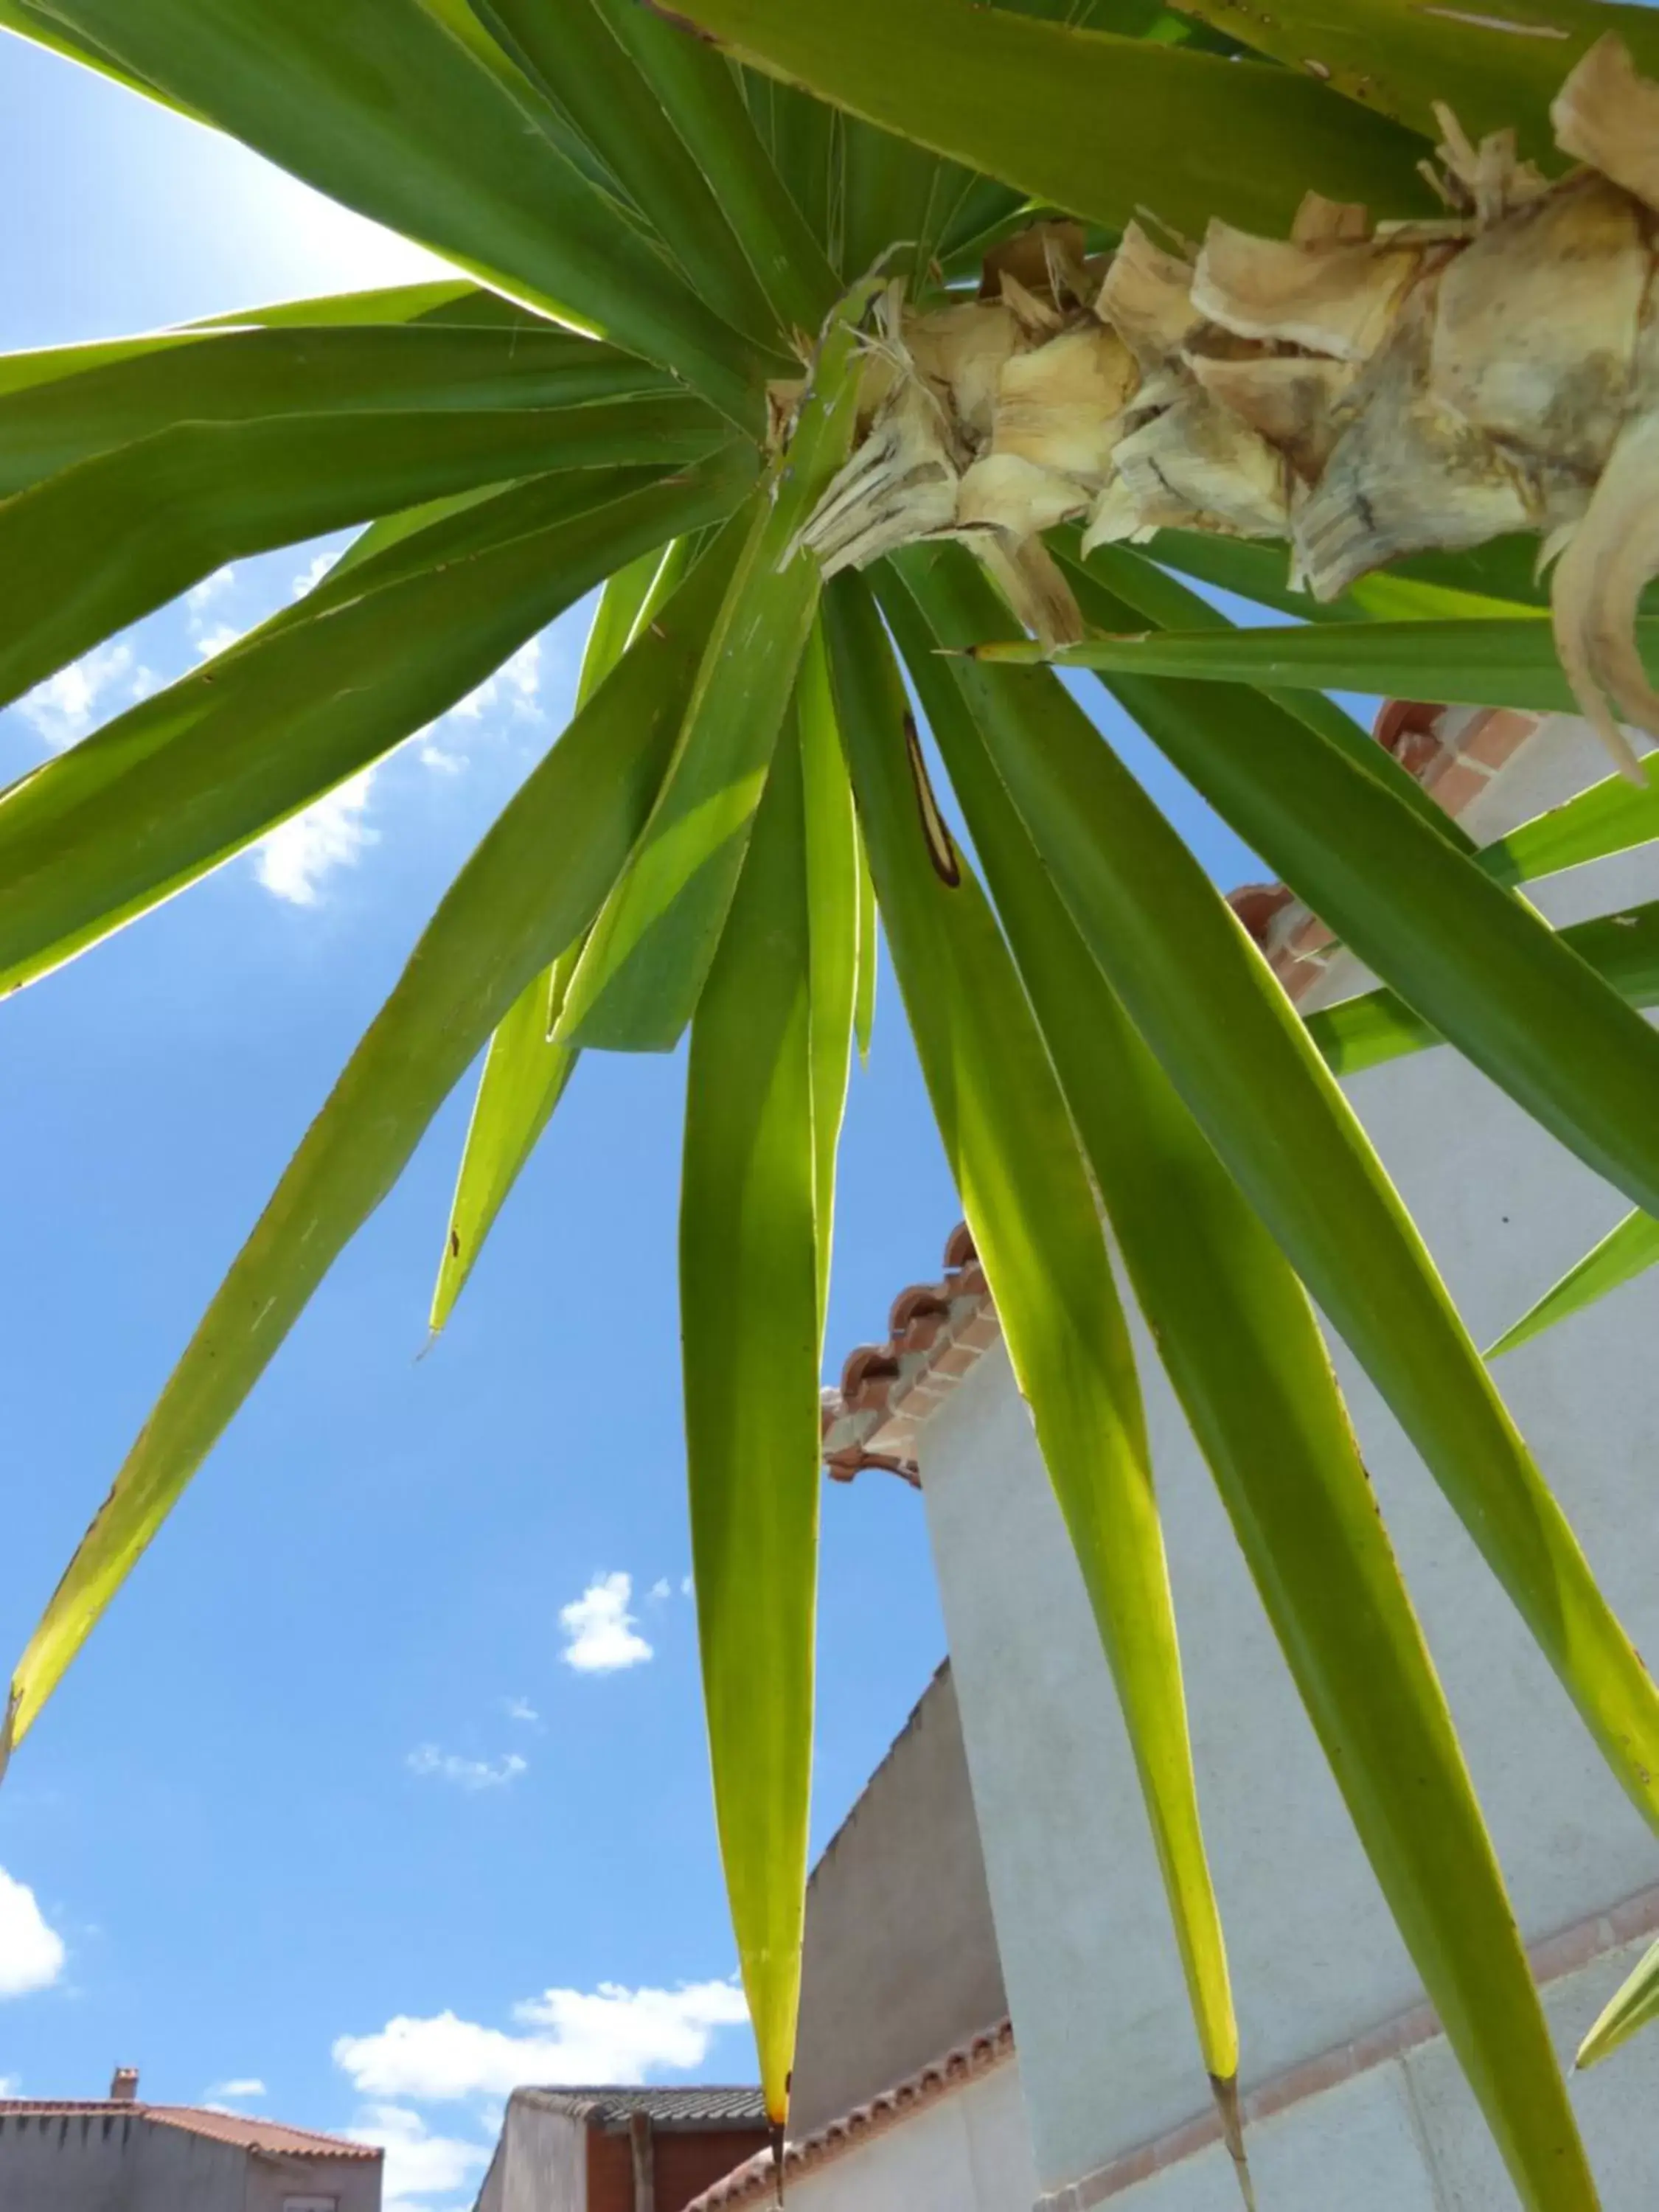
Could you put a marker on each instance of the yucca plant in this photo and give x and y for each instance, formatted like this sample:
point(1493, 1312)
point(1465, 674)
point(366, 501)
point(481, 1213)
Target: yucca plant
point(747, 299)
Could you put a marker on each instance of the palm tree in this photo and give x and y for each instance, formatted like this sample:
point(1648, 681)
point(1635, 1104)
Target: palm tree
point(714, 315)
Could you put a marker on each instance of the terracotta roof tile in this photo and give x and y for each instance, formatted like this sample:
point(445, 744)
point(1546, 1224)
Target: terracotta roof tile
point(243, 2130)
point(755, 2179)
point(937, 1330)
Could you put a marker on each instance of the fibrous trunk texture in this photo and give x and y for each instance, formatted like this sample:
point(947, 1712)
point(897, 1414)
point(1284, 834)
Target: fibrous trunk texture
point(1363, 389)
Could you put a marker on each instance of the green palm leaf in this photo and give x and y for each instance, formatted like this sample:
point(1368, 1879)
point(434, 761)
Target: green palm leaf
point(64, 405)
point(1611, 816)
point(752, 1328)
point(639, 980)
point(103, 543)
point(1623, 950)
point(1023, 1186)
point(525, 1073)
point(1623, 1254)
point(1495, 67)
point(186, 779)
point(1495, 661)
point(1632, 2006)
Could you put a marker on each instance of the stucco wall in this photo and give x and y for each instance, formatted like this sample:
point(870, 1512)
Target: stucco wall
point(355, 2184)
point(1407, 2136)
point(1109, 2054)
point(116, 2162)
point(968, 2152)
point(75, 2163)
point(901, 1960)
point(540, 2163)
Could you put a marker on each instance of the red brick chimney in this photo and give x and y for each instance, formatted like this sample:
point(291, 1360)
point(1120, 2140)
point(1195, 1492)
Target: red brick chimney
point(123, 2089)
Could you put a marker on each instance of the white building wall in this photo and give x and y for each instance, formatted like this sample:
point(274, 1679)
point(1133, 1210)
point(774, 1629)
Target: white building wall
point(969, 2152)
point(1109, 2057)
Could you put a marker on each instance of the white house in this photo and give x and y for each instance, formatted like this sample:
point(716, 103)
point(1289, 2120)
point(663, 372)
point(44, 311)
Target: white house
point(1353, 2100)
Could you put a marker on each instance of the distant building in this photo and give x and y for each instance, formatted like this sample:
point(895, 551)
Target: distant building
point(119, 2155)
point(618, 2150)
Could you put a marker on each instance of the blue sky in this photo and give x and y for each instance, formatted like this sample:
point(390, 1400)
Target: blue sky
point(383, 1784)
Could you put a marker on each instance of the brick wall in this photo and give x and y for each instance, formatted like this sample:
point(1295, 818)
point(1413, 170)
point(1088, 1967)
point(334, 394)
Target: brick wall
point(687, 2161)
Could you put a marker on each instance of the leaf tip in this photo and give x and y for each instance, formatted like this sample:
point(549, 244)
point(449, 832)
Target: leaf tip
point(1224, 2088)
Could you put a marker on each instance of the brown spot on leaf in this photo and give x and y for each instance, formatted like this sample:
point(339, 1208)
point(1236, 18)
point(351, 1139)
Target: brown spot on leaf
point(940, 849)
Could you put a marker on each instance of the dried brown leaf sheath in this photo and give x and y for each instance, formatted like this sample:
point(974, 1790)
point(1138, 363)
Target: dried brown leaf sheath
point(1365, 392)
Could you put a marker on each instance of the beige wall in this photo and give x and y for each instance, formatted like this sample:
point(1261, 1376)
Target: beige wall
point(901, 1960)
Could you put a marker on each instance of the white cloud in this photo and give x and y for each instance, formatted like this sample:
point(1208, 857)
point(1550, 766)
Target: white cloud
point(518, 682)
point(603, 1634)
point(239, 2087)
point(63, 708)
point(465, 1774)
point(419, 2165)
point(312, 574)
point(607, 2034)
point(293, 860)
point(659, 1589)
point(520, 1709)
point(203, 594)
point(440, 759)
point(10, 2084)
point(687, 1586)
point(31, 1953)
point(219, 638)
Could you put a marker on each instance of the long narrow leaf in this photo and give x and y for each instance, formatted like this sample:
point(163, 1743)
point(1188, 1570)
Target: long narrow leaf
point(1481, 966)
point(833, 906)
point(1501, 662)
point(1623, 949)
point(1611, 816)
point(1495, 67)
point(60, 407)
point(526, 894)
point(88, 552)
point(1623, 1254)
point(381, 105)
point(750, 1319)
point(1236, 1333)
point(1632, 2006)
point(639, 980)
point(1205, 1001)
point(526, 1074)
point(1097, 123)
point(1023, 1186)
point(185, 779)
